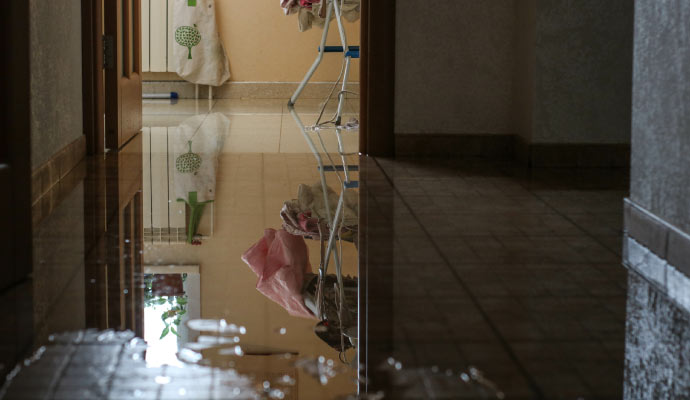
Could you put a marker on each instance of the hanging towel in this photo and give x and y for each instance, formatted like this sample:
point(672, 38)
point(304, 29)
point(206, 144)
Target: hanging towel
point(315, 13)
point(198, 51)
point(289, 6)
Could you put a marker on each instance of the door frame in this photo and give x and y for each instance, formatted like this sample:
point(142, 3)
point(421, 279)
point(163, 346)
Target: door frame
point(123, 82)
point(93, 94)
point(377, 78)
point(99, 81)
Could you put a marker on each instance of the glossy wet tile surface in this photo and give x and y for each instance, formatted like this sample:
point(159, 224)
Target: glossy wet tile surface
point(476, 279)
point(513, 271)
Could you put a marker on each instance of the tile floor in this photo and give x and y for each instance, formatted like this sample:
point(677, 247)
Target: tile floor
point(257, 125)
point(513, 271)
point(477, 280)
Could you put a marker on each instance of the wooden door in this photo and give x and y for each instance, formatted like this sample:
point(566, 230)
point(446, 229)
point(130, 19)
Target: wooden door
point(114, 240)
point(115, 260)
point(122, 63)
point(125, 238)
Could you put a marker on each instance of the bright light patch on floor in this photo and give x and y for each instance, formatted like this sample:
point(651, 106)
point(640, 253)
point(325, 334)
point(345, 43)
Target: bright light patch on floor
point(161, 351)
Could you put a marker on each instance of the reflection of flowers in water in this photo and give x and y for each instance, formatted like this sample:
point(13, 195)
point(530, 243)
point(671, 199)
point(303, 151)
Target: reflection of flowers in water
point(165, 294)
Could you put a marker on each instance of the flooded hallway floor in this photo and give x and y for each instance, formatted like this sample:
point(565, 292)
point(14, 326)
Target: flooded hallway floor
point(464, 279)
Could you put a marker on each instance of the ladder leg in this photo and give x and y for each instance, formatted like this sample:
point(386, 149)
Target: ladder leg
point(319, 57)
point(343, 41)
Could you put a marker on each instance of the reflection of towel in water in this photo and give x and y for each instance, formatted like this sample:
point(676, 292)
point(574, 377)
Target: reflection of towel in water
point(310, 198)
point(281, 261)
point(207, 133)
point(302, 223)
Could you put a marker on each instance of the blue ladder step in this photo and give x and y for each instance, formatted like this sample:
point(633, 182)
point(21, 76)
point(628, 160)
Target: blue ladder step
point(352, 51)
point(351, 184)
point(331, 168)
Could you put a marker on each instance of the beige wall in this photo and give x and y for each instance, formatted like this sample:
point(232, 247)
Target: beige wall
point(264, 45)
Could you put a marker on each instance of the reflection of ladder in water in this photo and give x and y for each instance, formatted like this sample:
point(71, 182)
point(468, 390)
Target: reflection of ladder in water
point(334, 220)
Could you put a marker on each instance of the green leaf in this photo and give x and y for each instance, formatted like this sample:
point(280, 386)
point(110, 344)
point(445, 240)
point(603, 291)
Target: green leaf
point(182, 300)
point(165, 332)
point(164, 316)
point(173, 330)
point(182, 312)
point(160, 300)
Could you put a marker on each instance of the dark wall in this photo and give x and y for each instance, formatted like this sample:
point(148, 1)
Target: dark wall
point(658, 247)
point(56, 74)
point(454, 65)
point(657, 345)
point(552, 71)
point(660, 171)
point(583, 71)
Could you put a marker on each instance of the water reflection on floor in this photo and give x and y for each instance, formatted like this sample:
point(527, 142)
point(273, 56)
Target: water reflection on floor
point(253, 160)
point(475, 279)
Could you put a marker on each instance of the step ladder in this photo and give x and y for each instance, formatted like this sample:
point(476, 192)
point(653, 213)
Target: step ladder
point(333, 219)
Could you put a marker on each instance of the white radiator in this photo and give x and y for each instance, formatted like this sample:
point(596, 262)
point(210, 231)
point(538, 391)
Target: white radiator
point(157, 35)
point(164, 217)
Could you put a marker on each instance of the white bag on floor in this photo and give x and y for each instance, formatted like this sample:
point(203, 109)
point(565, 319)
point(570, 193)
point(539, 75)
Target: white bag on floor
point(198, 51)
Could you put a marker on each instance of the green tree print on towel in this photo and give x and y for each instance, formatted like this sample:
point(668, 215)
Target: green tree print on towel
point(196, 209)
point(188, 162)
point(188, 36)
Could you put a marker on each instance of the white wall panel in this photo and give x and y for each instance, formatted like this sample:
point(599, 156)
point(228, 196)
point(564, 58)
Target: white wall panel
point(171, 35)
point(145, 35)
point(158, 35)
point(146, 154)
point(159, 176)
point(177, 209)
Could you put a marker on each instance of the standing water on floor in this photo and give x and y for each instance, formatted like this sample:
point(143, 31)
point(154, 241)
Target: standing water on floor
point(195, 263)
point(223, 262)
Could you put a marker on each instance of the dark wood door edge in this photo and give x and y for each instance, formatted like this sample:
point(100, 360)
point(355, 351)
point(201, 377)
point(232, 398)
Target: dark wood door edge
point(363, 60)
point(377, 78)
point(92, 75)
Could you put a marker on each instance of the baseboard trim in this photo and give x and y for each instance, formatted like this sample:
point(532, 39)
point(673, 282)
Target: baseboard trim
point(466, 145)
point(52, 178)
point(245, 90)
point(661, 238)
point(658, 252)
point(511, 146)
point(581, 155)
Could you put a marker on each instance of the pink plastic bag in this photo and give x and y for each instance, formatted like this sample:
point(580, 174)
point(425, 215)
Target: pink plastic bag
point(280, 260)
